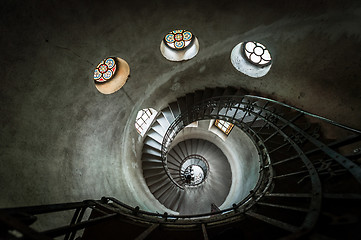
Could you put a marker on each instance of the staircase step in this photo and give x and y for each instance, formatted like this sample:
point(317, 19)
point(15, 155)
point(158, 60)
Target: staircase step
point(154, 179)
point(208, 93)
point(151, 157)
point(174, 157)
point(152, 165)
point(201, 146)
point(159, 129)
point(174, 109)
point(240, 92)
point(182, 104)
point(179, 152)
point(167, 113)
point(153, 172)
point(218, 92)
point(175, 175)
point(150, 150)
point(155, 135)
point(189, 147)
point(148, 141)
point(190, 104)
point(198, 96)
point(180, 201)
point(229, 91)
point(184, 148)
point(173, 199)
point(163, 121)
point(157, 189)
point(166, 192)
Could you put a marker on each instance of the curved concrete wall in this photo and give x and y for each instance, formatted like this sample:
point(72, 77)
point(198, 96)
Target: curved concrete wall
point(241, 153)
point(61, 140)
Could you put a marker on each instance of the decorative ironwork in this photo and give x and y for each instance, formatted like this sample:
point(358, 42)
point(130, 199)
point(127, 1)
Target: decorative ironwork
point(105, 70)
point(314, 162)
point(256, 53)
point(179, 39)
point(281, 128)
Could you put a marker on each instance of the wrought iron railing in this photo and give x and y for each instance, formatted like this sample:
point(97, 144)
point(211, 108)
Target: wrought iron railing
point(14, 222)
point(296, 163)
point(285, 138)
point(248, 105)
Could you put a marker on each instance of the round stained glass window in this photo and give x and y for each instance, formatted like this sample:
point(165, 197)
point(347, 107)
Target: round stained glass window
point(105, 70)
point(256, 53)
point(178, 39)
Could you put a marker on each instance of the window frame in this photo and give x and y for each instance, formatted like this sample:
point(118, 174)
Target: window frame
point(222, 123)
point(142, 123)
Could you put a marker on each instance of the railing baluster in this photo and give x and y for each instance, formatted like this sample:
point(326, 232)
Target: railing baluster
point(78, 220)
point(204, 231)
point(75, 217)
point(284, 126)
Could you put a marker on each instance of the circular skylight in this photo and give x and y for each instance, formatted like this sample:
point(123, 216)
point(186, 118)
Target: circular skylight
point(178, 39)
point(256, 53)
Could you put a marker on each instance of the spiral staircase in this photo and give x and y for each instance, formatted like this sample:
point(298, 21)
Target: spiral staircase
point(167, 182)
point(308, 184)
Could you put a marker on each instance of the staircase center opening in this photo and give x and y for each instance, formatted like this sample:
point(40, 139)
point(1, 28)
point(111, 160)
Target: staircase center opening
point(194, 170)
point(194, 175)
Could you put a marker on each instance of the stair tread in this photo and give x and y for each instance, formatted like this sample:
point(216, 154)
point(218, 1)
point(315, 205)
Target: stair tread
point(155, 136)
point(150, 150)
point(152, 143)
point(159, 128)
point(174, 109)
point(167, 113)
point(163, 122)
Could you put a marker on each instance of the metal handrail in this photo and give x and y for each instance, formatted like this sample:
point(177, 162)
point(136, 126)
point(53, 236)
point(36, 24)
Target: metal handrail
point(239, 209)
point(168, 137)
point(306, 113)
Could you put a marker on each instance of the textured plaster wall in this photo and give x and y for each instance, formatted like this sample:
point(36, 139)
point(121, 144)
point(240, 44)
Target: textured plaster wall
point(61, 140)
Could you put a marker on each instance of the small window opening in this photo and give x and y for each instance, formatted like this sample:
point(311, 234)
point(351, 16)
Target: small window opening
point(143, 120)
point(178, 39)
point(111, 74)
point(105, 70)
point(251, 58)
point(179, 45)
point(256, 53)
point(224, 126)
